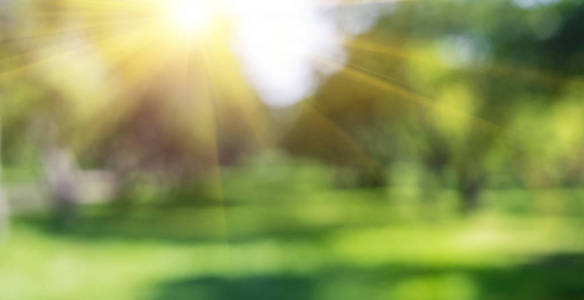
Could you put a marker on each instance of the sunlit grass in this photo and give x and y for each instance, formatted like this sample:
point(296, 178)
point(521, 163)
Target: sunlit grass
point(282, 221)
point(37, 264)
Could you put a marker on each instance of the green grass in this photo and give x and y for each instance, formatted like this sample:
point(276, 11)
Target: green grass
point(128, 259)
point(304, 242)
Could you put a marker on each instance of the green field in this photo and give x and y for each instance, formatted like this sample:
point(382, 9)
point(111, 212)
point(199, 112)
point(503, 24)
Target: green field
point(305, 242)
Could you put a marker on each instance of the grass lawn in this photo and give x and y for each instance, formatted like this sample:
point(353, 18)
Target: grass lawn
point(304, 243)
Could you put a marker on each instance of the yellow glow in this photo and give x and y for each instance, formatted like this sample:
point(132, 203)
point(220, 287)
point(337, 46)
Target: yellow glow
point(188, 16)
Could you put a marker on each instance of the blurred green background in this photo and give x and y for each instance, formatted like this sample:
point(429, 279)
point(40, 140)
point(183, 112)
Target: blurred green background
point(434, 151)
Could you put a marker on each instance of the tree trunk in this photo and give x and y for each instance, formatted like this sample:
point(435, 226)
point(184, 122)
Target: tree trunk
point(60, 170)
point(4, 207)
point(470, 184)
point(62, 180)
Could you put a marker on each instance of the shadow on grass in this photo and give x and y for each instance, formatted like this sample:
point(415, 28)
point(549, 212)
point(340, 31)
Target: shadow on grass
point(178, 222)
point(182, 229)
point(558, 277)
point(258, 288)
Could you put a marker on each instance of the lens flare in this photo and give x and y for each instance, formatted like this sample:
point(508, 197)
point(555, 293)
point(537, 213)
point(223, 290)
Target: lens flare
point(189, 17)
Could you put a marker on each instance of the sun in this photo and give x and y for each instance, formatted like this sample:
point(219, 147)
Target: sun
point(190, 17)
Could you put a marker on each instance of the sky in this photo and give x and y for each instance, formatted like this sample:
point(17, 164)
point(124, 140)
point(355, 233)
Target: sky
point(284, 43)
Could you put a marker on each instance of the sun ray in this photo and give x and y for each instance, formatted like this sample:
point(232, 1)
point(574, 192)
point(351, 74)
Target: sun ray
point(494, 69)
point(379, 81)
point(124, 54)
point(48, 41)
point(216, 176)
point(48, 38)
point(355, 148)
point(23, 67)
point(236, 91)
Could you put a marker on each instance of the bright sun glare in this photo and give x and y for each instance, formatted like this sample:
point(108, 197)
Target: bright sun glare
point(280, 43)
point(189, 17)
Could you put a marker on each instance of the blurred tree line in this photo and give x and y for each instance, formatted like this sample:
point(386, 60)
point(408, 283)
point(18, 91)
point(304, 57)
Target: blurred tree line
point(475, 94)
point(467, 94)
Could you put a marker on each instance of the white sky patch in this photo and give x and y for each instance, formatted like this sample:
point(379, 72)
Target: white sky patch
point(463, 50)
point(281, 43)
point(526, 4)
point(355, 19)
